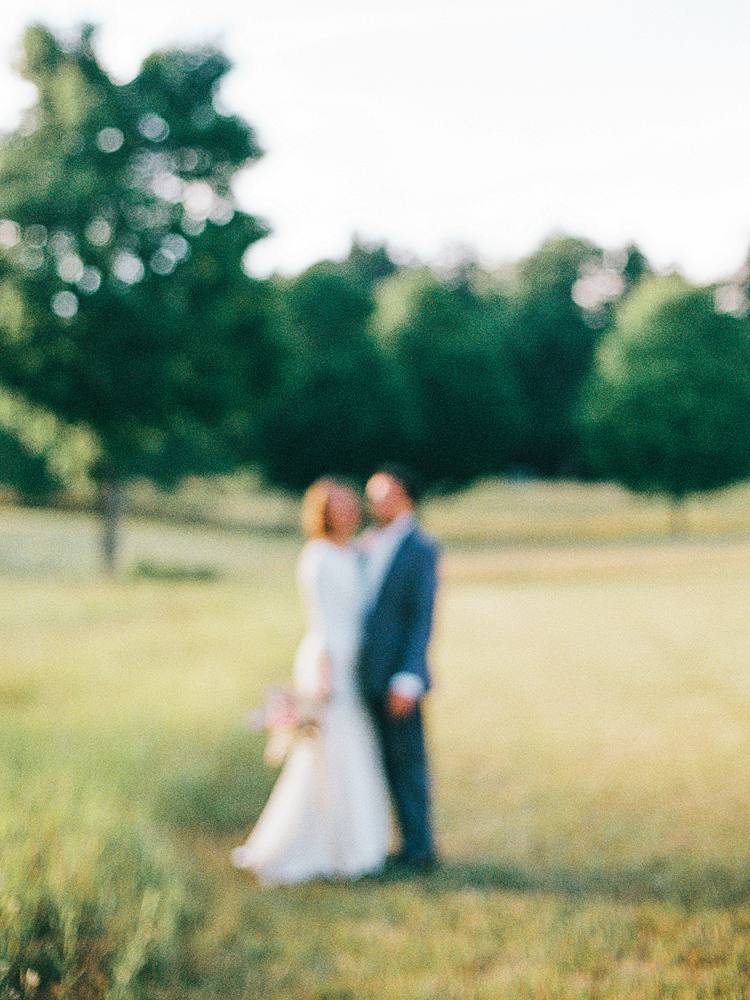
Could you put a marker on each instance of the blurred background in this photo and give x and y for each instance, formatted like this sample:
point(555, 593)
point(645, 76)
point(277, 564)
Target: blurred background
point(488, 243)
point(241, 247)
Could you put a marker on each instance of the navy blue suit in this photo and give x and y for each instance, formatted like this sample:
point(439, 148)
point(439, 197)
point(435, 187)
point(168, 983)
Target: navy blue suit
point(395, 638)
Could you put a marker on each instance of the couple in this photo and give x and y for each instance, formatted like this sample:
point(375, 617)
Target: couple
point(369, 606)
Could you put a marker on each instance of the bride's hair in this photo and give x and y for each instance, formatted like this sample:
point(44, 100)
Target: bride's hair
point(315, 506)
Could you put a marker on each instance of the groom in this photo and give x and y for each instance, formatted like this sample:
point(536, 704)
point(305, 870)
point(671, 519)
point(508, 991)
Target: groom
point(401, 583)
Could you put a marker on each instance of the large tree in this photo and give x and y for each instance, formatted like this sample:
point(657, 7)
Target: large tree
point(341, 407)
point(561, 299)
point(667, 408)
point(449, 339)
point(124, 306)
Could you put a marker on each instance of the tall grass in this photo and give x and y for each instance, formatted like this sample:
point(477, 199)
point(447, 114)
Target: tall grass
point(92, 902)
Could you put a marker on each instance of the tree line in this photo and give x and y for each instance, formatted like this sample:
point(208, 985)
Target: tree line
point(135, 344)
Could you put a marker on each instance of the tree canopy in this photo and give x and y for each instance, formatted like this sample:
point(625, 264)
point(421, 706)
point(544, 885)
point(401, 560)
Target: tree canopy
point(340, 407)
point(118, 225)
point(666, 408)
point(451, 342)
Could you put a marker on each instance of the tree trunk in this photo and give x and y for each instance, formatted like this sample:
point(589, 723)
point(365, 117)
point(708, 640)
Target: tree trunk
point(114, 504)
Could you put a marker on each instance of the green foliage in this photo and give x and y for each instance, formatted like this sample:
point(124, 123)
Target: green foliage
point(450, 343)
point(127, 317)
point(124, 307)
point(40, 454)
point(341, 407)
point(370, 262)
point(23, 470)
point(666, 408)
point(553, 338)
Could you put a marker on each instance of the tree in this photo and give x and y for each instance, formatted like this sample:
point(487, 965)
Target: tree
point(560, 299)
point(450, 342)
point(371, 263)
point(124, 307)
point(667, 406)
point(340, 408)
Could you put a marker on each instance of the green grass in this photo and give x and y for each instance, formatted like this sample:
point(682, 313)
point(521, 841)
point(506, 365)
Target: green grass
point(494, 510)
point(591, 739)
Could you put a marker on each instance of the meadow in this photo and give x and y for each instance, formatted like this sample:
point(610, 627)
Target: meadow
point(591, 739)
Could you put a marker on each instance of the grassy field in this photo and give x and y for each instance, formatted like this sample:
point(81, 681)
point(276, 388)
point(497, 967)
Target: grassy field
point(591, 739)
point(496, 510)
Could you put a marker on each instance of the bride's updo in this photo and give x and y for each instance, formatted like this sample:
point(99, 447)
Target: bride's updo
point(329, 506)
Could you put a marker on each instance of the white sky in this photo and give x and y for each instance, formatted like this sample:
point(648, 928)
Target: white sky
point(434, 122)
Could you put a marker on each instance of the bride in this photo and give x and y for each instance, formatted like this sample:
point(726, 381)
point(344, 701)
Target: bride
point(328, 814)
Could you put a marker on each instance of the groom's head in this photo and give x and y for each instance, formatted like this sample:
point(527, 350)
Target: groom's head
point(391, 491)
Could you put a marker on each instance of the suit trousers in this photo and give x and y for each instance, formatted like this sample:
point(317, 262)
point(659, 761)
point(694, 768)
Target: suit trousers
point(405, 758)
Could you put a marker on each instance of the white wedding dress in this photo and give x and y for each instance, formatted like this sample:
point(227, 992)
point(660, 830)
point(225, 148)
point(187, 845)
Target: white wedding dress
point(328, 814)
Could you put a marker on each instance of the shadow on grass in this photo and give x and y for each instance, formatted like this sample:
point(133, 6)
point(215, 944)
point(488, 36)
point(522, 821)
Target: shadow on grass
point(173, 573)
point(659, 880)
point(216, 793)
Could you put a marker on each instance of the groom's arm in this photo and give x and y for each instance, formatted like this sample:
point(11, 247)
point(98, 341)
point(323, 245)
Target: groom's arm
point(410, 682)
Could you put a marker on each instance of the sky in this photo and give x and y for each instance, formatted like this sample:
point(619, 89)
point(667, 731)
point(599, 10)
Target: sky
point(435, 124)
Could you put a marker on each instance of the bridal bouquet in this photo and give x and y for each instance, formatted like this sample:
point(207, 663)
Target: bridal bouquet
point(285, 717)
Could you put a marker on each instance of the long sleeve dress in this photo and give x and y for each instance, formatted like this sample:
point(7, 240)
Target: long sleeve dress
point(328, 814)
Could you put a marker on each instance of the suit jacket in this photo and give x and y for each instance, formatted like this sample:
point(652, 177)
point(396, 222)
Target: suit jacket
point(397, 628)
